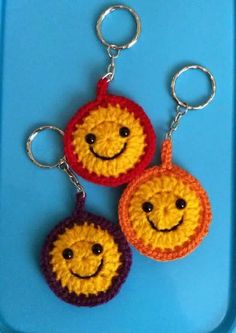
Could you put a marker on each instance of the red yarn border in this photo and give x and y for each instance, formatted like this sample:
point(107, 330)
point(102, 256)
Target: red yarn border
point(103, 99)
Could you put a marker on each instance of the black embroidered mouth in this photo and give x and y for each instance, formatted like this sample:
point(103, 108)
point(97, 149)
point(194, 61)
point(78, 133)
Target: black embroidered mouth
point(91, 275)
point(165, 230)
point(107, 158)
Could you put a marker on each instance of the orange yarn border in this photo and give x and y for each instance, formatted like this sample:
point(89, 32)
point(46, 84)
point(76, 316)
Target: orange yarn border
point(170, 170)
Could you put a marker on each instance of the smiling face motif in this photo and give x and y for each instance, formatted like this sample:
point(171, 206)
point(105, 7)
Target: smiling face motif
point(85, 262)
point(108, 141)
point(85, 259)
point(165, 213)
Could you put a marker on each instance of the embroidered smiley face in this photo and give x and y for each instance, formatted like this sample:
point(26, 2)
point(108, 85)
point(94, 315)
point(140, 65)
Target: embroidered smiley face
point(86, 262)
point(165, 213)
point(110, 140)
point(168, 212)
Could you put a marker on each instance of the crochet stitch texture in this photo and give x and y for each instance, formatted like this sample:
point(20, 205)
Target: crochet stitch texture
point(110, 140)
point(165, 213)
point(86, 258)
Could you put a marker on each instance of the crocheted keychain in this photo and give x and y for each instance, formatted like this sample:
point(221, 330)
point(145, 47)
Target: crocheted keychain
point(165, 212)
point(110, 140)
point(85, 258)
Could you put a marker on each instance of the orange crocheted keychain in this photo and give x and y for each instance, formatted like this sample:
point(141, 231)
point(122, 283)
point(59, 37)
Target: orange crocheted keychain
point(165, 212)
point(110, 140)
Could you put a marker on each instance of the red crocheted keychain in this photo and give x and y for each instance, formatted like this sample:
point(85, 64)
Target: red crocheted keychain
point(110, 140)
point(165, 212)
point(85, 258)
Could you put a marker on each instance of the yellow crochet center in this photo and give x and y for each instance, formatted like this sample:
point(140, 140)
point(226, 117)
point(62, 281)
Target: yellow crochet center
point(80, 240)
point(162, 192)
point(105, 124)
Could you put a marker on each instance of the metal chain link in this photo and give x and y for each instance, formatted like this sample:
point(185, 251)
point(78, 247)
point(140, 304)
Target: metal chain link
point(111, 68)
point(64, 166)
point(180, 112)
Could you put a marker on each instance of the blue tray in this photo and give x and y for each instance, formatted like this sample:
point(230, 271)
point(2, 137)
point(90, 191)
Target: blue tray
point(51, 62)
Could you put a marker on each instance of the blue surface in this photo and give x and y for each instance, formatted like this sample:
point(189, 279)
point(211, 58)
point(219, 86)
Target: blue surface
point(51, 62)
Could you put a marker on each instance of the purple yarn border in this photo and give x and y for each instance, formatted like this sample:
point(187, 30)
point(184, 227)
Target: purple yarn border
point(79, 217)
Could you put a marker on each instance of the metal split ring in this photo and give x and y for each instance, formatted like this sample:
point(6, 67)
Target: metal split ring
point(113, 45)
point(29, 146)
point(187, 105)
point(61, 164)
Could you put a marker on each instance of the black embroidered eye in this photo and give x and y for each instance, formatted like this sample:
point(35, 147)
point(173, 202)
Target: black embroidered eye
point(147, 206)
point(124, 132)
point(90, 138)
point(67, 254)
point(180, 203)
point(97, 248)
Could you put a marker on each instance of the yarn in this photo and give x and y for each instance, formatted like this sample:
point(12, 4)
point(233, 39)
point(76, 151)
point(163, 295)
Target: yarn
point(110, 140)
point(85, 259)
point(165, 212)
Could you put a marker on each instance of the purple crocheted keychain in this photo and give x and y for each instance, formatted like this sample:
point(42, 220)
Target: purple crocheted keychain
point(85, 258)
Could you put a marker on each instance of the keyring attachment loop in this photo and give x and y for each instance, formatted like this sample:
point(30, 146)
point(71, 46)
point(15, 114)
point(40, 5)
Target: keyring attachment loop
point(113, 45)
point(187, 105)
point(60, 164)
point(29, 143)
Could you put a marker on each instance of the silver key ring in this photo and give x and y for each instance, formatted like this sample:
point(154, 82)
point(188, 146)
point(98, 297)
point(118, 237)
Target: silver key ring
point(29, 146)
point(113, 45)
point(61, 164)
point(184, 104)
